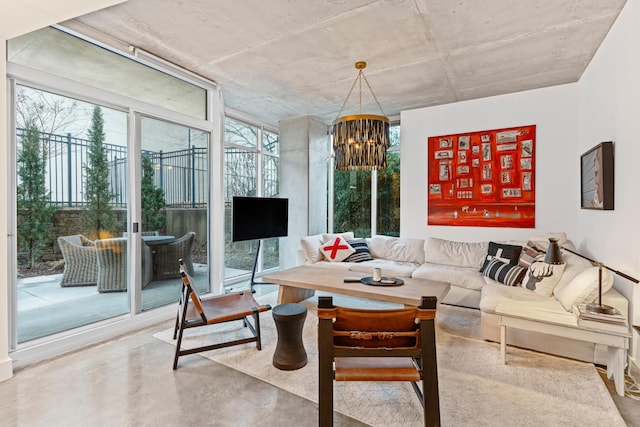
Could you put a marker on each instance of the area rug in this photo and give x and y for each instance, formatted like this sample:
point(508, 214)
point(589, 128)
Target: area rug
point(532, 389)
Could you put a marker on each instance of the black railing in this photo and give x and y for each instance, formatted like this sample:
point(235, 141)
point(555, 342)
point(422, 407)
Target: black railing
point(182, 174)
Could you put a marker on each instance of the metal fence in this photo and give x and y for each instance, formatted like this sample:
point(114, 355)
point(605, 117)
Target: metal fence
point(182, 174)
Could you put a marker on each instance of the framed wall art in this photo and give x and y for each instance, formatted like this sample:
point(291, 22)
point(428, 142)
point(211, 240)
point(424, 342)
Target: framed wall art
point(482, 179)
point(596, 177)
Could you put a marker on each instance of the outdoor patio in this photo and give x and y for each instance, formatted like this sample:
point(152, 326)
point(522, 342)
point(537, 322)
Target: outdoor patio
point(44, 307)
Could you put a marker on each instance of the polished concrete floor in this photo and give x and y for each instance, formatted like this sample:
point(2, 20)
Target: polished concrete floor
point(128, 381)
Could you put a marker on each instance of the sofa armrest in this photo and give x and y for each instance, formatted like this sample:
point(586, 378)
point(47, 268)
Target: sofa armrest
point(301, 259)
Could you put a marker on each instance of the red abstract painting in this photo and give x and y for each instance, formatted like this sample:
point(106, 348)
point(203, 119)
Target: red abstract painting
point(483, 179)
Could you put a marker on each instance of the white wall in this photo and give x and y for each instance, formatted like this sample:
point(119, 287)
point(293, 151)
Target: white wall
point(552, 110)
point(609, 110)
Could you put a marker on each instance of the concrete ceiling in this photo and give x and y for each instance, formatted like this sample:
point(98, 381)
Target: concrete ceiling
point(280, 59)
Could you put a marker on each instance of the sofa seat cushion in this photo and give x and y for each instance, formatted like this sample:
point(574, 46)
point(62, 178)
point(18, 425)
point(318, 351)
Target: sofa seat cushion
point(494, 293)
point(389, 268)
point(463, 277)
point(334, 265)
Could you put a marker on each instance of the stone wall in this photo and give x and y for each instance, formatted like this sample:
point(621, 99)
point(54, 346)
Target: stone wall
point(68, 221)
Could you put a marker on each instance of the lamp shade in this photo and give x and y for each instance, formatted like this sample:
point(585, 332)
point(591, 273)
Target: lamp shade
point(360, 142)
point(554, 256)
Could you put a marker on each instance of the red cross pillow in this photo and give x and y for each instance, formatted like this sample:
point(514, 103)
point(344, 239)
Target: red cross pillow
point(337, 249)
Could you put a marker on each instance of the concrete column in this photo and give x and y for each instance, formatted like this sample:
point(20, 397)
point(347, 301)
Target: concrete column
point(304, 154)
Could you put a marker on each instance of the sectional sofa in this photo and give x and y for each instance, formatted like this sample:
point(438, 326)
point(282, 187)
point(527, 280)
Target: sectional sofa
point(460, 264)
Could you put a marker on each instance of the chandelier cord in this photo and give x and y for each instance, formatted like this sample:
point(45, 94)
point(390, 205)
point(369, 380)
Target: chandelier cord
point(375, 98)
point(358, 79)
point(349, 95)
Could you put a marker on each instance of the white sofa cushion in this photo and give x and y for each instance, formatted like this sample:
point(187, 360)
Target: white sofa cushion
point(461, 254)
point(493, 293)
point(397, 249)
point(583, 288)
point(389, 268)
point(332, 265)
point(463, 277)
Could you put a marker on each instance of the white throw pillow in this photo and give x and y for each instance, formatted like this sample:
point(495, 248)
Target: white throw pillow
point(337, 249)
point(541, 277)
point(583, 288)
point(348, 235)
point(311, 247)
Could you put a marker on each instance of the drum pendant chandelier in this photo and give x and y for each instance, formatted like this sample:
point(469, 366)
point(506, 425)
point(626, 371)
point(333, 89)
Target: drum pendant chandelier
point(360, 141)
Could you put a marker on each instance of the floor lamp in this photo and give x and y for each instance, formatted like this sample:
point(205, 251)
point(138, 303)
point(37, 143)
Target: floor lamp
point(599, 307)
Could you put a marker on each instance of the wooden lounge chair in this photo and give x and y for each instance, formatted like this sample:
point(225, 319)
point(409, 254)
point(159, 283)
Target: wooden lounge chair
point(378, 345)
point(194, 312)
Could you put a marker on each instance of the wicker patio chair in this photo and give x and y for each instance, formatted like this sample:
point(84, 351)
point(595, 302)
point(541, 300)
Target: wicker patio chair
point(167, 255)
point(112, 264)
point(80, 263)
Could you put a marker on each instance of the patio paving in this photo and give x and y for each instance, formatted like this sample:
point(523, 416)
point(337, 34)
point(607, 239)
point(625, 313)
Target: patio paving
point(45, 308)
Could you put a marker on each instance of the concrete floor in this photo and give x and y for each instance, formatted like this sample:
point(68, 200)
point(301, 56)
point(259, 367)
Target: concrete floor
point(128, 381)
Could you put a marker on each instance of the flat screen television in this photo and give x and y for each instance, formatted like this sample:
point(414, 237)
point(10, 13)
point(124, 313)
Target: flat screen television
point(259, 218)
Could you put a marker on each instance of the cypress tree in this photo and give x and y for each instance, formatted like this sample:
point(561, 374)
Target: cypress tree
point(152, 199)
point(99, 217)
point(34, 209)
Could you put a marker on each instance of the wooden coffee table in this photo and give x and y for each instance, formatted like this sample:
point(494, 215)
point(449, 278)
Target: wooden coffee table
point(300, 283)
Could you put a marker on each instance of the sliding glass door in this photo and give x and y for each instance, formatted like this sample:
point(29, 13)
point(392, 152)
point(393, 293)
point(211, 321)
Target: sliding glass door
point(174, 189)
point(71, 213)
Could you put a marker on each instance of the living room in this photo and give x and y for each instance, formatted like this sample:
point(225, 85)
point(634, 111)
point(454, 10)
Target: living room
point(571, 118)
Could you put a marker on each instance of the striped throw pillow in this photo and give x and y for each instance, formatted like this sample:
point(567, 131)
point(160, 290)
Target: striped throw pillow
point(529, 253)
point(362, 252)
point(508, 274)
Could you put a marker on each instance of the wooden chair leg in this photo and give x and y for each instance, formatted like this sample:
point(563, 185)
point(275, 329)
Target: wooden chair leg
point(178, 343)
point(256, 317)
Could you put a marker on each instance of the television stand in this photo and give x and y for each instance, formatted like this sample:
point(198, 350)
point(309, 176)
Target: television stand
point(255, 265)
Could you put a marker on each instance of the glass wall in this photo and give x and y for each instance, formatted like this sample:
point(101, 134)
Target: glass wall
point(69, 167)
point(251, 162)
point(174, 194)
point(353, 193)
point(64, 55)
point(110, 193)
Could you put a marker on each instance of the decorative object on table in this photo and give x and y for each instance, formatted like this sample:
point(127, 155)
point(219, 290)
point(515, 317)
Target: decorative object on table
point(599, 307)
point(257, 218)
point(613, 317)
point(377, 274)
point(289, 320)
point(545, 271)
point(596, 177)
point(384, 281)
point(483, 178)
point(360, 141)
